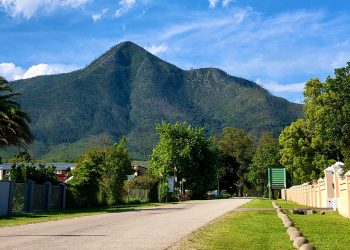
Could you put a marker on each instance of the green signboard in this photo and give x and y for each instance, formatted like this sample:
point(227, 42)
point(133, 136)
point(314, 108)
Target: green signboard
point(277, 179)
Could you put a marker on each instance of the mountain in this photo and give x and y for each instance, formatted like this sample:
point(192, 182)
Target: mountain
point(127, 90)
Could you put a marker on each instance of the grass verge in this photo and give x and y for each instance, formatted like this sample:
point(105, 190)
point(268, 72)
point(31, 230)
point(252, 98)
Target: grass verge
point(258, 203)
point(26, 218)
point(328, 231)
point(242, 230)
point(289, 204)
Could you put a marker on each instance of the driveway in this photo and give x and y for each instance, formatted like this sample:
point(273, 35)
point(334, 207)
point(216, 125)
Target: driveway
point(148, 228)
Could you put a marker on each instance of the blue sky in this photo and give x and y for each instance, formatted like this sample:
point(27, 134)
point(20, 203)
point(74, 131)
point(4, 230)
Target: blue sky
point(278, 44)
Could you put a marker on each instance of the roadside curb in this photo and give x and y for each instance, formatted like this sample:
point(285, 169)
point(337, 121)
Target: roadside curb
point(295, 235)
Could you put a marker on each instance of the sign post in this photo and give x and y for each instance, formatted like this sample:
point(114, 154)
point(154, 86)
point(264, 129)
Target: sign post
point(277, 179)
point(171, 184)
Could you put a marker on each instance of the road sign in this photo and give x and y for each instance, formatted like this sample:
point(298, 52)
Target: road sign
point(277, 179)
point(171, 182)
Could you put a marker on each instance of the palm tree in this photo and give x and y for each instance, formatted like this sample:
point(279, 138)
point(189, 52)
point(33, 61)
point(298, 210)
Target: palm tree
point(14, 129)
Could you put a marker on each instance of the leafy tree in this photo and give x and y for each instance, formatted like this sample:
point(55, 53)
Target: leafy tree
point(298, 155)
point(316, 119)
point(87, 174)
point(183, 150)
point(328, 111)
point(147, 182)
point(18, 173)
point(99, 176)
point(266, 156)
point(38, 173)
point(312, 144)
point(115, 168)
point(226, 176)
point(141, 182)
point(21, 157)
point(14, 129)
point(238, 146)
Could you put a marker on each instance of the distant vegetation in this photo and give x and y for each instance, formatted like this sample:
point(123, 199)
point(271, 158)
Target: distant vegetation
point(127, 91)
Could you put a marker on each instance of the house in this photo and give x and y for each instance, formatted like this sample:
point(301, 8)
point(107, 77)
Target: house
point(139, 167)
point(61, 170)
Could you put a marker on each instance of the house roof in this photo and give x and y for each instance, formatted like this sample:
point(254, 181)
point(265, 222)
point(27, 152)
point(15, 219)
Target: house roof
point(58, 165)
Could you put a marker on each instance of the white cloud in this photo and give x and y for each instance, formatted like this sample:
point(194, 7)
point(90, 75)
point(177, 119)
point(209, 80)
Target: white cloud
point(225, 3)
point(73, 3)
point(28, 8)
point(213, 3)
point(98, 16)
point(125, 6)
point(280, 47)
point(157, 49)
point(47, 69)
point(204, 26)
point(12, 72)
point(278, 88)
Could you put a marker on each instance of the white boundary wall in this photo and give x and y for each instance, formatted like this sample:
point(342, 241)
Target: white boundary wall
point(333, 191)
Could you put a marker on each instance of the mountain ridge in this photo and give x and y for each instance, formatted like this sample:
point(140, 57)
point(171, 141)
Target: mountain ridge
point(127, 90)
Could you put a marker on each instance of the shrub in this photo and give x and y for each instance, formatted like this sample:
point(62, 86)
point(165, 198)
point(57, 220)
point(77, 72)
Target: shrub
point(99, 176)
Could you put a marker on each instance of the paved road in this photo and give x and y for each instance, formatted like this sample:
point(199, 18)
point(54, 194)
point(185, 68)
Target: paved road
point(149, 228)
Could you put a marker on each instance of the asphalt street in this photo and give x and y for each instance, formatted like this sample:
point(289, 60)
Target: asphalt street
point(148, 228)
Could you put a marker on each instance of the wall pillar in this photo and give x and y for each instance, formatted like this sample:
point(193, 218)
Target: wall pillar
point(29, 195)
point(6, 197)
point(47, 199)
point(62, 195)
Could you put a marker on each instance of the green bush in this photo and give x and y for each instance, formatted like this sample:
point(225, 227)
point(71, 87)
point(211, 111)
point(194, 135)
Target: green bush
point(99, 176)
point(141, 182)
point(146, 182)
point(39, 174)
point(163, 191)
point(184, 151)
point(224, 196)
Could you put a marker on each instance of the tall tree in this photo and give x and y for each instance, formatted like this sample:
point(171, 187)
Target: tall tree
point(335, 118)
point(99, 175)
point(298, 155)
point(116, 166)
point(239, 145)
point(311, 144)
point(317, 120)
point(183, 150)
point(266, 156)
point(14, 129)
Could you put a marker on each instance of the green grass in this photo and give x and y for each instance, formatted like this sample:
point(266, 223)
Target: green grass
point(241, 230)
point(26, 218)
point(264, 230)
point(258, 203)
point(267, 203)
point(329, 231)
point(289, 204)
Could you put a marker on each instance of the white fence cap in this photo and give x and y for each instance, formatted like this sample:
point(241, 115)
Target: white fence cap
point(335, 168)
